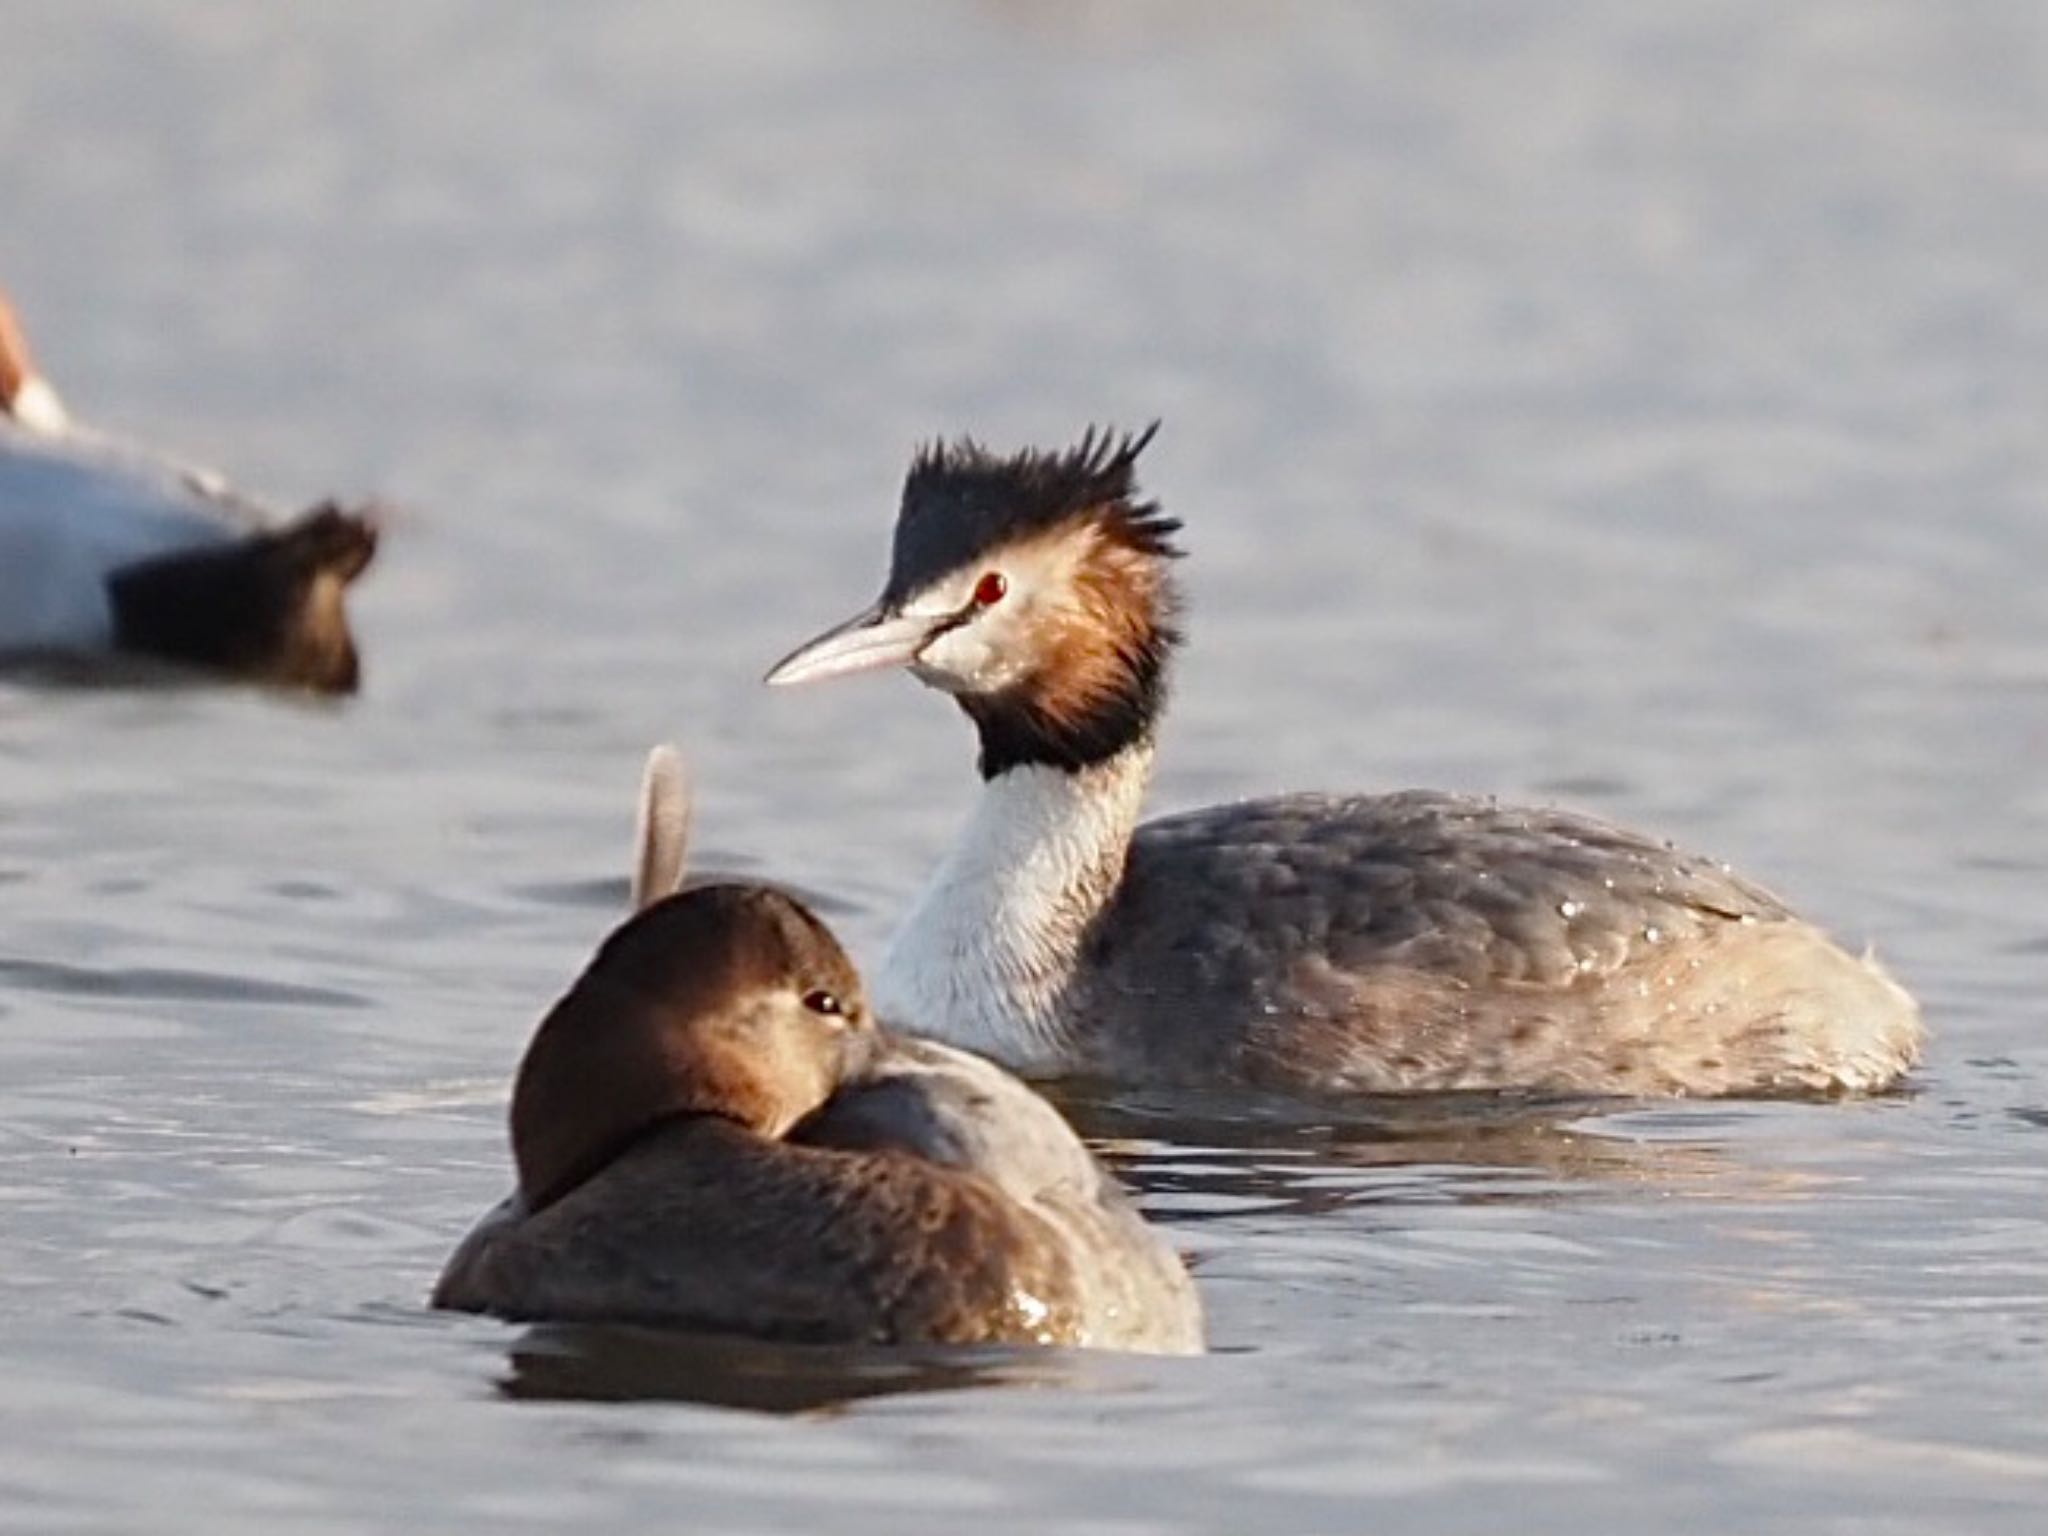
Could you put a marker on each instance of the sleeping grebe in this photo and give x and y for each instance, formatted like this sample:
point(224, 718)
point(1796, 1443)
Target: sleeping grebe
point(108, 548)
point(711, 1133)
point(1362, 944)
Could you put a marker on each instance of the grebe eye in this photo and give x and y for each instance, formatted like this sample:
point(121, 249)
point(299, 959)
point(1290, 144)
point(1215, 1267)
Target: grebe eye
point(827, 1003)
point(990, 589)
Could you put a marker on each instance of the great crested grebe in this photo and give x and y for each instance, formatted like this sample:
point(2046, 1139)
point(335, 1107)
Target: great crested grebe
point(711, 1133)
point(1365, 943)
point(109, 548)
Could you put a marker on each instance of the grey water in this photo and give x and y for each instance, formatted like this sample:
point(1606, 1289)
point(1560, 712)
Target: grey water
point(1643, 408)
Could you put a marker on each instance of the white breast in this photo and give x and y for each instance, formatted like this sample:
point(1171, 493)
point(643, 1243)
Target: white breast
point(983, 958)
point(74, 508)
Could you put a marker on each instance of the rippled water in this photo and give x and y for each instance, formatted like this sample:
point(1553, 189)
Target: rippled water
point(1636, 407)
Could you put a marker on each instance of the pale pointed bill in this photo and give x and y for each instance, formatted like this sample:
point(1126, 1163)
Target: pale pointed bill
point(867, 642)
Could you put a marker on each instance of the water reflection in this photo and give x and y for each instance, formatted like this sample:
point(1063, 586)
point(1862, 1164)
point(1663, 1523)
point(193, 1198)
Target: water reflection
point(1212, 1160)
point(616, 1364)
point(51, 670)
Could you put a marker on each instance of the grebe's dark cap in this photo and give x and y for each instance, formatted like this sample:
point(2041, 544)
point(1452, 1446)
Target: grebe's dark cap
point(961, 502)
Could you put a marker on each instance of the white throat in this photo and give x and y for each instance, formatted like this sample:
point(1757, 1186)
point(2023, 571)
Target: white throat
point(985, 955)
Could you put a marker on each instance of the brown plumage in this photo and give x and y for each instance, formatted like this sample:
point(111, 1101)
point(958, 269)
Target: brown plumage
point(711, 1133)
point(685, 1011)
point(706, 1224)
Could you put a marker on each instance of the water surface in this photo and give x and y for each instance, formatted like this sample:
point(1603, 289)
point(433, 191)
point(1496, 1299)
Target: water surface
point(1639, 408)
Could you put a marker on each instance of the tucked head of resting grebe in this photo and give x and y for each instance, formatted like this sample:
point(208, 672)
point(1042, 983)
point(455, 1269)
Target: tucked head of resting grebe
point(710, 1133)
point(724, 1000)
point(106, 547)
point(727, 1000)
point(1357, 943)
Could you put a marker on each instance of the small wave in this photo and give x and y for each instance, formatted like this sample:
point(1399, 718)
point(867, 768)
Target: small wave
point(164, 985)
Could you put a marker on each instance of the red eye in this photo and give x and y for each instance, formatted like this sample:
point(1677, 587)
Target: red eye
point(990, 589)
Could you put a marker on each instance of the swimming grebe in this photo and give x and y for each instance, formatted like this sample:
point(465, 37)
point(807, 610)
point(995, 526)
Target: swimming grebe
point(711, 1133)
point(105, 547)
point(1371, 944)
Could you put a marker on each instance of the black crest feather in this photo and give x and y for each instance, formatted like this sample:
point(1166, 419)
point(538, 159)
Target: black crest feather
point(960, 501)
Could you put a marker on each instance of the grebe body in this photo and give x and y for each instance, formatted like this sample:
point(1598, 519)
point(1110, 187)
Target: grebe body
point(1325, 944)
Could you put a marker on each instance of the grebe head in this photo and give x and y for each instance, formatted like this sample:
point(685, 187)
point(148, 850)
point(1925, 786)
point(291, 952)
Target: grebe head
point(1036, 588)
point(726, 1000)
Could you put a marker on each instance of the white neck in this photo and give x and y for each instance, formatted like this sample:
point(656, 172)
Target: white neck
point(987, 951)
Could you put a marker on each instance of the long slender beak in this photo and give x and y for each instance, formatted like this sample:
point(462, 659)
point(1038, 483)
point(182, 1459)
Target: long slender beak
point(867, 642)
